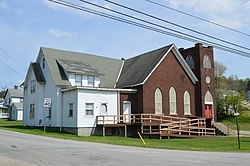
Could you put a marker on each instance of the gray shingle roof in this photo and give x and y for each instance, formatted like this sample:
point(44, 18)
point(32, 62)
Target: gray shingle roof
point(136, 69)
point(15, 92)
point(107, 68)
point(38, 72)
point(19, 106)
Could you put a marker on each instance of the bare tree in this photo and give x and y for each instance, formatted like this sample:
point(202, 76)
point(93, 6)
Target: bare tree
point(219, 71)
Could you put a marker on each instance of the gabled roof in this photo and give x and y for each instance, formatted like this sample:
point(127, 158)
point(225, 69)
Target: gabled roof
point(38, 73)
point(59, 60)
point(19, 106)
point(14, 92)
point(136, 70)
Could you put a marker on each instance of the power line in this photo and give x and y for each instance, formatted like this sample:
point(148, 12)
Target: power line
point(224, 48)
point(136, 18)
point(200, 18)
point(6, 53)
point(177, 25)
point(10, 68)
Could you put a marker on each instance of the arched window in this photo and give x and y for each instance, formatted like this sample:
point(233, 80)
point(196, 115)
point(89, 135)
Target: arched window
point(172, 101)
point(208, 98)
point(187, 106)
point(158, 101)
point(190, 61)
point(104, 108)
point(206, 62)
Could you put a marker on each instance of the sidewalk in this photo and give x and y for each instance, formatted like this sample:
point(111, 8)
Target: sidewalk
point(243, 132)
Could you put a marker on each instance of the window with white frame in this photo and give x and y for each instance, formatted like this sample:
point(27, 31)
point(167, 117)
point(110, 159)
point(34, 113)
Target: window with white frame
point(172, 101)
point(187, 106)
point(206, 62)
point(158, 101)
point(78, 80)
point(32, 111)
point(70, 109)
point(33, 86)
point(91, 81)
point(89, 108)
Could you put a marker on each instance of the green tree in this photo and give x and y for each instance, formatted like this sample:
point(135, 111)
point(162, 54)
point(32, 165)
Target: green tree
point(233, 103)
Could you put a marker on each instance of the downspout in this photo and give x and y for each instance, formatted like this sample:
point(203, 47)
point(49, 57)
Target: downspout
point(118, 103)
point(61, 112)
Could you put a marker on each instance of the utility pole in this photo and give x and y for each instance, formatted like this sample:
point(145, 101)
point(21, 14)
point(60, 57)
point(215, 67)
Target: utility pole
point(237, 124)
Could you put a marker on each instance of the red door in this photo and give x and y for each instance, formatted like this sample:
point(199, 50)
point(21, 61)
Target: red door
point(208, 111)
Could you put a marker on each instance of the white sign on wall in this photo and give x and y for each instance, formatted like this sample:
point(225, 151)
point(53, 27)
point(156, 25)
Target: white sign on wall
point(47, 102)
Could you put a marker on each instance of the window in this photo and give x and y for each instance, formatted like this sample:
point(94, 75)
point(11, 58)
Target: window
point(172, 101)
point(187, 106)
point(91, 81)
point(208, 98)
point(206, 62)
point(103, 108)
point(158, 101)
point(70, 109)
point(32, 111)
point(78, 80)
point(43, 63)
point(49, 113)
point(33, 86)
point(190, 61)
point(89, 109)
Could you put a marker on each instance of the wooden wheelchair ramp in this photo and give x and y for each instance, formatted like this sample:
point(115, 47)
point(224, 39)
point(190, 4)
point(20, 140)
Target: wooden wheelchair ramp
point(158, 125)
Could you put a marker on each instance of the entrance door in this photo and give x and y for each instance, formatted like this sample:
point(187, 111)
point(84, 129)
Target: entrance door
point(127, 111)
point(208, 111)
point(208, 115)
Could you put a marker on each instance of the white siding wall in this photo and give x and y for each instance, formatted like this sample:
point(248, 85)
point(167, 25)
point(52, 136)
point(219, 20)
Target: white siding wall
point(69, 97)
point(7, 98)
point(49, 91)
point(20, 115)
point(72, 79)
point(96, 97)
point(16, 100)
point(30, 98)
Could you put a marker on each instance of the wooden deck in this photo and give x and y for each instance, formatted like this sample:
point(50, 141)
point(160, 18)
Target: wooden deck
point(158, 125)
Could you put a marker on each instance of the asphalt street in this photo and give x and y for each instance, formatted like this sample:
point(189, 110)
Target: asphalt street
point(27, 150)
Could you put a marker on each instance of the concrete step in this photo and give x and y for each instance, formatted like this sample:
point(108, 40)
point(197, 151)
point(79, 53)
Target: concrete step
point(224, 129)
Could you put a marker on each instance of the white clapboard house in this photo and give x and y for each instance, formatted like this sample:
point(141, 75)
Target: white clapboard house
point(80, 87)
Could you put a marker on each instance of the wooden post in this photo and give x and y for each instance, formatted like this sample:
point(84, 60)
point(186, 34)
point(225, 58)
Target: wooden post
point(125, 130)
point(103, 131)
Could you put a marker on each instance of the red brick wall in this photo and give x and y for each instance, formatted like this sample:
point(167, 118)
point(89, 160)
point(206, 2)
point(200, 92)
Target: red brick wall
point(168, 73)
point(202, 87)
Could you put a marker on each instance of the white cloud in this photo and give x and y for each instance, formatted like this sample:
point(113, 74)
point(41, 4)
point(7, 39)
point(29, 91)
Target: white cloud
point(58, 33)
point(208, 7)
point(5, 6)
point(247, 5)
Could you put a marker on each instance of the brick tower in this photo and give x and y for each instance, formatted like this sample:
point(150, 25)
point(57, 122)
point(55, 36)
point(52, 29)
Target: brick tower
point(201, 61)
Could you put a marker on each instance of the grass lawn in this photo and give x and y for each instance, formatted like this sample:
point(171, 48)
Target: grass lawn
point(228, 144)
point(244, 122)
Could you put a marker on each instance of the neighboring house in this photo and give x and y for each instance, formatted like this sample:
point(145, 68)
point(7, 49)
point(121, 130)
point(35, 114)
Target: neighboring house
point(12, 97)
point(16, 111)
point(3, 110)
point(166, 81)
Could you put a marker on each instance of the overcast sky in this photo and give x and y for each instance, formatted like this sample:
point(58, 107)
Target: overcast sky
point(27, 25)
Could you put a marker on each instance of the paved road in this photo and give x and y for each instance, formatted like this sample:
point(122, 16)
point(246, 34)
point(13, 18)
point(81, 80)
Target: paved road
point(26, 150)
